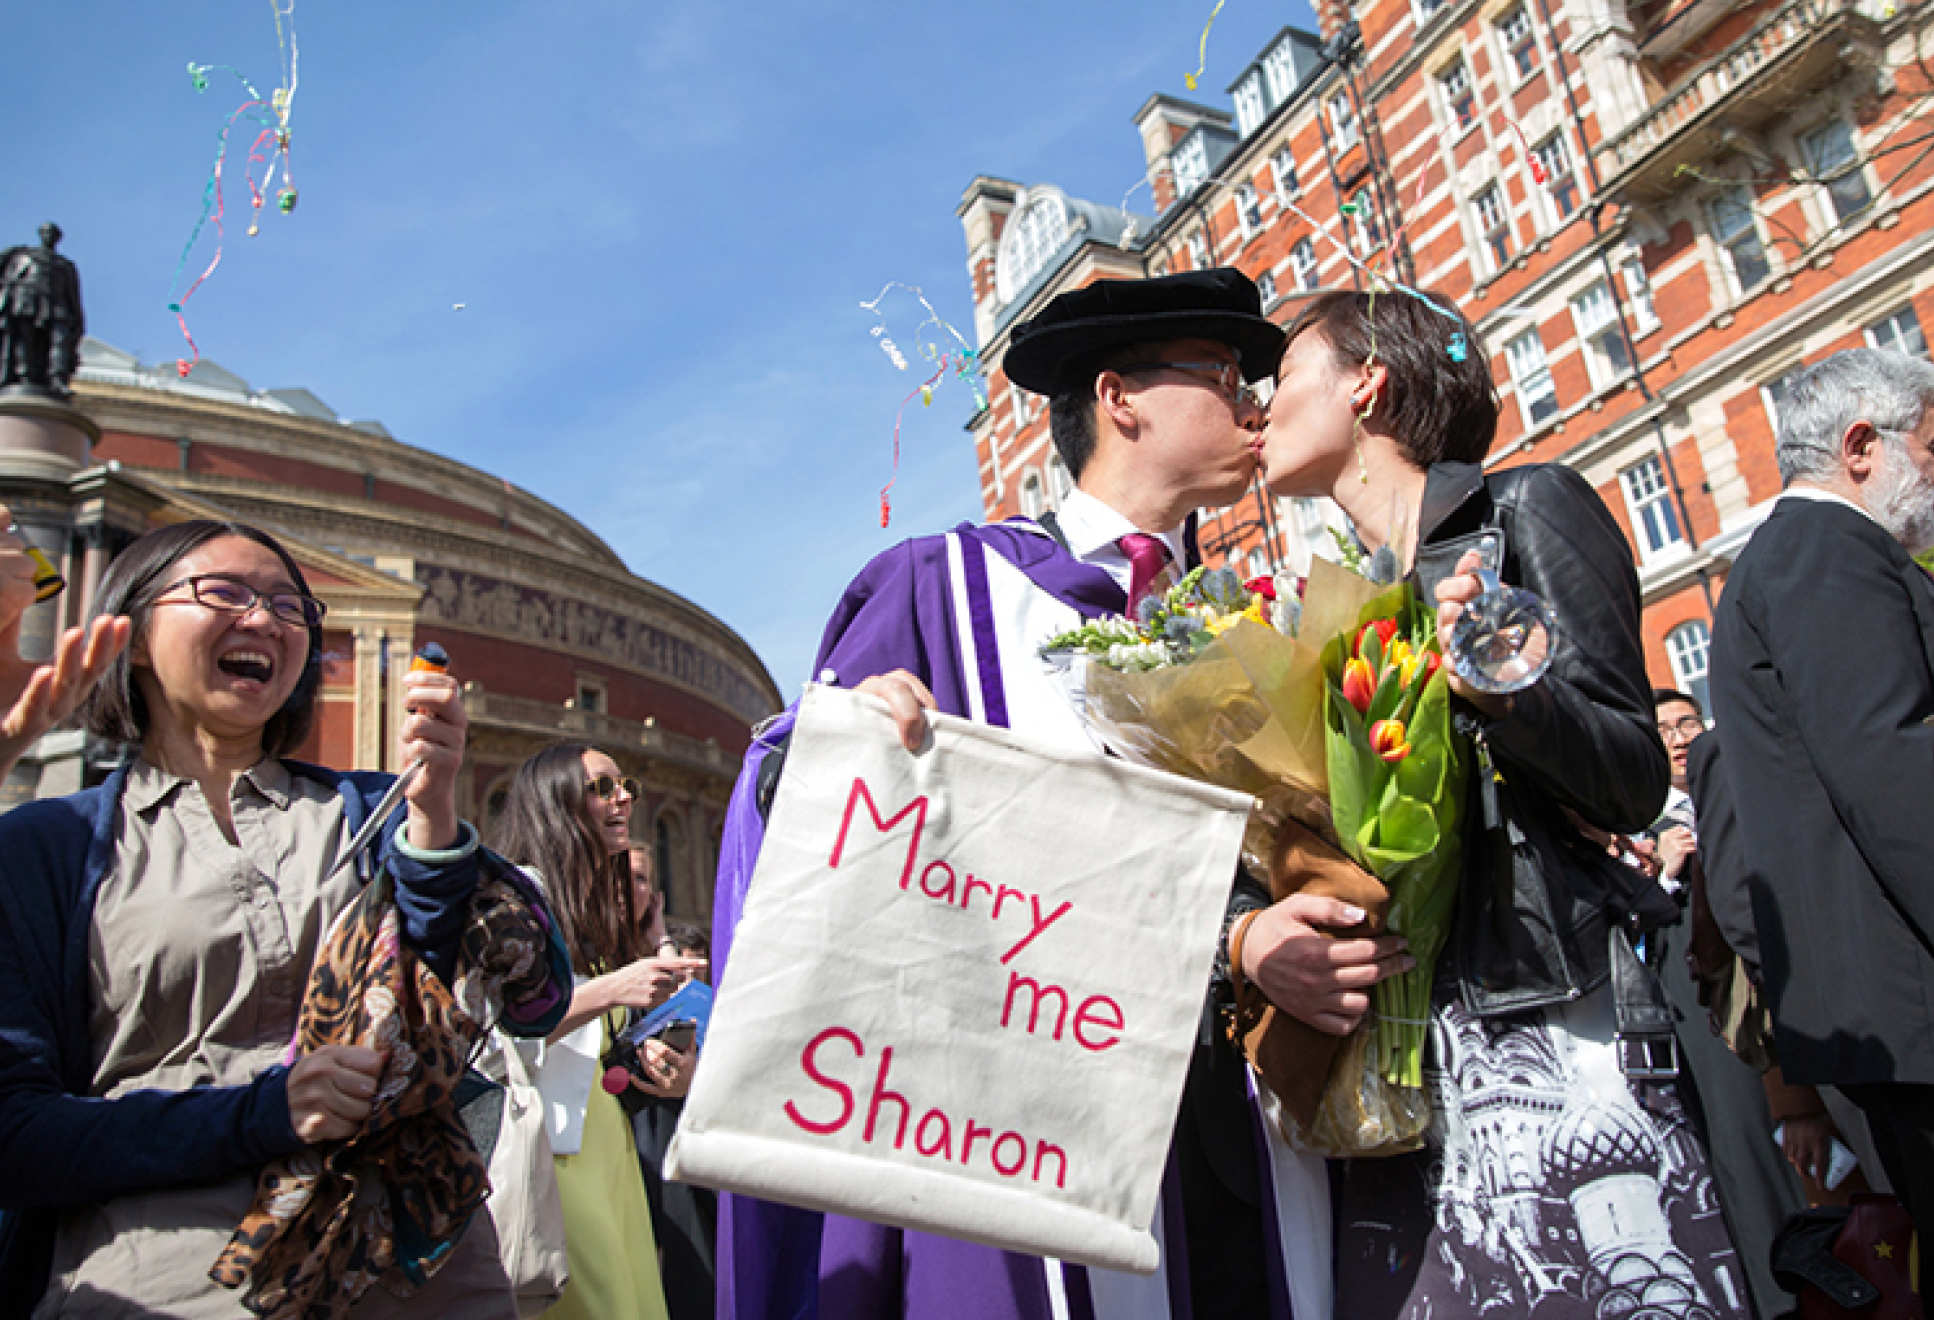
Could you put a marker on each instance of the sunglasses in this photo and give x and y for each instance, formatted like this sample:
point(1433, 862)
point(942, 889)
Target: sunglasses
point(605, 786)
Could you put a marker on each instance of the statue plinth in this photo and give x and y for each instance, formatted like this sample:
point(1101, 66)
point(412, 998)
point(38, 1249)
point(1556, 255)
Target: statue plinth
point(42, 437)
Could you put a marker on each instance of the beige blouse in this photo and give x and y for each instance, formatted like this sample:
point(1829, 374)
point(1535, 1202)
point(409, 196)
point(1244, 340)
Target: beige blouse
point(199, 953)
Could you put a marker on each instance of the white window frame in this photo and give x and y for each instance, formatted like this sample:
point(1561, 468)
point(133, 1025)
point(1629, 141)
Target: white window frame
point(1279, 66)
point(1561, 180)
point(1638, 290)
point(1343, 120)
point(1190, 164)
point(1770, 392)
point(1282, 172)
point(1425, 10)
point(1900, 324)
point(1030, 240)
point(1368, 222)
point(1459, 70)
point(1060, 482)
point(1595, 314)
point(1849, 196)
point(1494, 231)
point(1302, 263)
point(1730, 242)
point(1688, 649)
point(1531, 378)
point(1034, 499)
point(1200, 256)
point(1515, 33)
point(1248, 211)
point(1252, 104)
point(1266, 287)
point(1655, 517)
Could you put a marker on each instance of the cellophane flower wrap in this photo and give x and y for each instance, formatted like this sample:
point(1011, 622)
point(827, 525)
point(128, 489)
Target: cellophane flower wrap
point(1397, 775)
point(1232, 683)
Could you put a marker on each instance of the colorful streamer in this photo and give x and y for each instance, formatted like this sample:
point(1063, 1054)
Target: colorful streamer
point(269, 151)
point(959, 359)
point(1459, 347)
point(1202, 48)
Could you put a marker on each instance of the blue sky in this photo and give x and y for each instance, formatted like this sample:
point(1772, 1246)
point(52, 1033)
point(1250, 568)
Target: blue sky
point(661, 221)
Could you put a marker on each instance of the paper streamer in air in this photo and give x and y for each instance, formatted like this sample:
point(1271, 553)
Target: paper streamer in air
point(950, 355)
point(269, 151)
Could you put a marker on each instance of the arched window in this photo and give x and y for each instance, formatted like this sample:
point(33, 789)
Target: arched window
point(1689, 647)
point(1035, 231)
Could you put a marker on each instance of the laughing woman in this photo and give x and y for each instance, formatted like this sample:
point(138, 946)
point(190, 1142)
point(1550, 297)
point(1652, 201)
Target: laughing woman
point(157, 933)
point(1563, 1174)
point(567, 818)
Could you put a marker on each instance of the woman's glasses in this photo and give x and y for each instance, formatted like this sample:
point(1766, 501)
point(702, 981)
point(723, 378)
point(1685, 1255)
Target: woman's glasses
point(230, 595)
point(606, 787)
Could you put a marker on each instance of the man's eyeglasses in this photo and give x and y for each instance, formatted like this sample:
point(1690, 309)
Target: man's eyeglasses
point(231, 595)
point(1228, 377)
point(606, 787)
point(1686, 728)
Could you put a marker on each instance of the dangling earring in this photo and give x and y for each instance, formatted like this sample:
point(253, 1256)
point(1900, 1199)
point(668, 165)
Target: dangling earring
point(1364, 409)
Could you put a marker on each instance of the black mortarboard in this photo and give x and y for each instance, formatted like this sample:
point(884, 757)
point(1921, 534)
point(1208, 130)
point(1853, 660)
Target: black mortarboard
point(1055, 350)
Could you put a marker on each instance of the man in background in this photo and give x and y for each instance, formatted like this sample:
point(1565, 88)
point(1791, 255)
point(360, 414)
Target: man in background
point(1823, 685)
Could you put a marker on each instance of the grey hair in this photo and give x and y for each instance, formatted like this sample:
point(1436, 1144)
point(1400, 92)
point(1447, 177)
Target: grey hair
point(1889, 391)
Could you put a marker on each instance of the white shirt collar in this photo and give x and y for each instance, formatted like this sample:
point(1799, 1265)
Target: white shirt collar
point(1825, 497)
point(1093, 528)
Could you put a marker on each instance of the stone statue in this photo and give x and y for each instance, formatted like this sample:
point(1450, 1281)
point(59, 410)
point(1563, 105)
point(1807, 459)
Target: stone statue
point(40, 318)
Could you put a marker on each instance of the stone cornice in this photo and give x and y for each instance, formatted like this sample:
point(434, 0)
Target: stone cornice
point(451, 542)
point(329, 444)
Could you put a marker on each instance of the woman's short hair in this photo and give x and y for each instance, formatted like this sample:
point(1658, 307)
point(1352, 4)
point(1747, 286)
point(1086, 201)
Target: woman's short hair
point(1438, 402)
point(115, 709)
point(543, 825)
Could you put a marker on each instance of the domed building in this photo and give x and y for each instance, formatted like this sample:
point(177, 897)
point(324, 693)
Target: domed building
point(552, 636)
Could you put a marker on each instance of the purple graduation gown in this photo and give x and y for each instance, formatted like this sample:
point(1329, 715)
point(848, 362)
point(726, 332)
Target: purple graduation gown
point(778, 1262)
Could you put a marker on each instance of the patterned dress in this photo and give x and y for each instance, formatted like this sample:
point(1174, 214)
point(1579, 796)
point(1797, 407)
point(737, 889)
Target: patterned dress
point(1552, 1186)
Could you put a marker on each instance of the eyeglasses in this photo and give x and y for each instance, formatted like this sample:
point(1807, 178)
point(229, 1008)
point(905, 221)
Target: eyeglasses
point(1228, 377)
point(605, 786)
point(231, 595)
point(1686, 727)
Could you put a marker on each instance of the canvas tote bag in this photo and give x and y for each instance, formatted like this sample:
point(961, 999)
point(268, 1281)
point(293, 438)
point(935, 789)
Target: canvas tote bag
point(524, 1203)
point(965, 987)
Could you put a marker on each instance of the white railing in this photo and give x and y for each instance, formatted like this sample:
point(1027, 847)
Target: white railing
point(1731, 68)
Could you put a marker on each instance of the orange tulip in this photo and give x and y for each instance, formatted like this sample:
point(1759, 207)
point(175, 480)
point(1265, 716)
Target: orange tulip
point(1387, 740)
point(1359, 684)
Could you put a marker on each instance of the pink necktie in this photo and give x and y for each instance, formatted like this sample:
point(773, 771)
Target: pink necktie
point(1147, 557)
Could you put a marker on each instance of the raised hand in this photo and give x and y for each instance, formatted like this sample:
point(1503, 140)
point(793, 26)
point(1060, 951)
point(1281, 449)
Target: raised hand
point(36, 697)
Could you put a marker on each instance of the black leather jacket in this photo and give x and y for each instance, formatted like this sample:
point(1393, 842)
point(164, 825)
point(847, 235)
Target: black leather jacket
point(1539, 901)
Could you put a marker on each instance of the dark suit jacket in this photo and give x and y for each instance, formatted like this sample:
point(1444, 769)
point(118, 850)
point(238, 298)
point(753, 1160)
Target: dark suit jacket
point(1822, 678)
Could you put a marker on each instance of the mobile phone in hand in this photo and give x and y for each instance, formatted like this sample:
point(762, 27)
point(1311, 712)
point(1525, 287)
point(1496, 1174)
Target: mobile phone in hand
point(680, 1035)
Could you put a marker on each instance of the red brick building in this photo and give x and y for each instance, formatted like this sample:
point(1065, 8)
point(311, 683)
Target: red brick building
point(552, 635)
point(1652, 209)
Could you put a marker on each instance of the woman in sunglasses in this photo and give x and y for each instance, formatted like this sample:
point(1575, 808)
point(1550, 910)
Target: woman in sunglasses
point(567, 817)
point(158, 933)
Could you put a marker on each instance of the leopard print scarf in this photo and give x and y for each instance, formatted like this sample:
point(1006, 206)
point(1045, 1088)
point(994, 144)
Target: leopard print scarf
point(390, 1203)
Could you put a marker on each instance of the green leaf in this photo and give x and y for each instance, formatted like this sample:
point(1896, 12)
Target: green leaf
point(1388, 696)
point(1372, 650)
point(1406, 830)
point(1354, 781)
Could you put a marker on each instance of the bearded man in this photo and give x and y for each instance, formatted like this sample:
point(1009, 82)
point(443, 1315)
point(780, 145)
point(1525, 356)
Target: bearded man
point(1823, 684)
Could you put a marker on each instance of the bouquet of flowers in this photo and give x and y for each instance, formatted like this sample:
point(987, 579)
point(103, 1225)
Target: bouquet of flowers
point(1333, 711)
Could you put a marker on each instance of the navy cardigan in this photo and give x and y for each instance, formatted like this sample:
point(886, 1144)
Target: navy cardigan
point(61, 1147)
